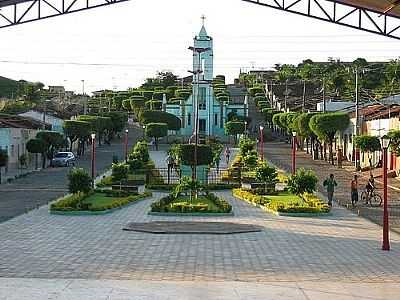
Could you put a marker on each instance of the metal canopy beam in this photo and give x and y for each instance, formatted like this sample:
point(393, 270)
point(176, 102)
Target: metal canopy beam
point(339, 12)
point(15, 12)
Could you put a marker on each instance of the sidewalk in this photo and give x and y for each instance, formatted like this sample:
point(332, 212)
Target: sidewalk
point(13, 172)
point(280, 155)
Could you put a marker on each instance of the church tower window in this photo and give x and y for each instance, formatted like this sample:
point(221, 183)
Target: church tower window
point(202, 98)
point(189, 119)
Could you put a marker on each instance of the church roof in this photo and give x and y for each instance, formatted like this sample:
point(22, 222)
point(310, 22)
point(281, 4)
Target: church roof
point(203, 32)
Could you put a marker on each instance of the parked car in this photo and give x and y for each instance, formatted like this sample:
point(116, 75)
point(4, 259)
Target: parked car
point(63, 159)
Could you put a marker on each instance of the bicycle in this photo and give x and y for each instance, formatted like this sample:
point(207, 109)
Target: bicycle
point(372, 199)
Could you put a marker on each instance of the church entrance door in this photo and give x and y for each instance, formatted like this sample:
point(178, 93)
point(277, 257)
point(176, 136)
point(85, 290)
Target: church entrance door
point(202, 126)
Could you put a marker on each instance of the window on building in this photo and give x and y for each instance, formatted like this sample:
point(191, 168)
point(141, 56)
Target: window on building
point(189, 118)
point(202, 98)
point(216, 119)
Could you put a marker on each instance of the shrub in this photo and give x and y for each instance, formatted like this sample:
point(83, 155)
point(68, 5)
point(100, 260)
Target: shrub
point(79, 181)
point(267, 175)
point(167, 204)
point(303, 182)
point(250, 160)
point(246, 145)
point(119, 171)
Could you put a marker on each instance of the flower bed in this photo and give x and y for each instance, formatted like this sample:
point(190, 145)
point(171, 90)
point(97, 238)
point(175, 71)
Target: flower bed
point(211, 187)
point(285, 203)
point(95, 201)
point(208, 204)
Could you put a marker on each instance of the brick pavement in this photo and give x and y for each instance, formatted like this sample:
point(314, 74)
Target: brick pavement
point(339, 248)
point(43, 186)
point(280, 154)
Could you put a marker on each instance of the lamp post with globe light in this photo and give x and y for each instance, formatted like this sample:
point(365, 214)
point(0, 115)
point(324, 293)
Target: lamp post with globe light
point(294, 142)
point(262, 142)
point(385, 240)
point(126, 145)
point(93, 136)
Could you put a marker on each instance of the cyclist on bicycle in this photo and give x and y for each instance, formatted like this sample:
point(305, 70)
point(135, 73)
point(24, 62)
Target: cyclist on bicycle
point(370, 187)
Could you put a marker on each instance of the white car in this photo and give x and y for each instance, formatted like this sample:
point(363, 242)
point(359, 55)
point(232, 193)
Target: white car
point(63, 159)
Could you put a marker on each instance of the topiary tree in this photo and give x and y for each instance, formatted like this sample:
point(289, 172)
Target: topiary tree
point(76, 130)
point(268, 175)
point(185, 153)
point(3, 160)
point(304, 181)
point(53, 141)
point(246, 145)
point(36, 146)
point(394, 145)
point(250, 159)
point(79, 181)
point(369, 144)
point(156, 130)
point(326, 125)
point(234, 128)
point(119, 172)
point(152, 116)
point(304, 130)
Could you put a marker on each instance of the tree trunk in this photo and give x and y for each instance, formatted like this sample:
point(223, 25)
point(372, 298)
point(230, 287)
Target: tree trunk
point(36, 161)
point(307, 146)
point(43, 160)
point(331, 153)
point(156, 140)
point(325, 156)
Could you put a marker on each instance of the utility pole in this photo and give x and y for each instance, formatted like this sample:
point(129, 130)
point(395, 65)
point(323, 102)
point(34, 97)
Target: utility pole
point(356, 129)
point(323, 94)
point(304, 96)
point(286, 94)
point(84, 98)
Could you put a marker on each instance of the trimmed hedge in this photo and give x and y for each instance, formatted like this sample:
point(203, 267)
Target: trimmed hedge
point(73, 202)
point(166, 205)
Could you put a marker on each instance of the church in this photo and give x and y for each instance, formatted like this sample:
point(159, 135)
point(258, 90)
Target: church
point(212, 114)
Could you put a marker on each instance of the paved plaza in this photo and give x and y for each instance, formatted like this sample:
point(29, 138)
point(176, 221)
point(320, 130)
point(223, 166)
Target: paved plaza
point(339, 249)
point(280, 154)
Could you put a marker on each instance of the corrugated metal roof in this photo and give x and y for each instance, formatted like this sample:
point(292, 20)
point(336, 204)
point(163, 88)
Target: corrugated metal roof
point(392, 8)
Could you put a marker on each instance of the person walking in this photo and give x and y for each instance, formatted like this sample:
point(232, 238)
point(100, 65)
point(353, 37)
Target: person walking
point(354, 191)
point(227, 155)
point(330, 184)
point(170, 163)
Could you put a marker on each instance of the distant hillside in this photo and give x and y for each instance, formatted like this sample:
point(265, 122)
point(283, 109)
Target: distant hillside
point(8, 87)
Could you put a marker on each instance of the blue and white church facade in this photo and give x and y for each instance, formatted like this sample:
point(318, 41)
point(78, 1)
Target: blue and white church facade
point(212, 114)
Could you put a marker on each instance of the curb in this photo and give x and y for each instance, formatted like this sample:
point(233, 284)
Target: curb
point(162, 214)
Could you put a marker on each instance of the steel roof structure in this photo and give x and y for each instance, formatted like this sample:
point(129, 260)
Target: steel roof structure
point(14, 12)
point(375, 16)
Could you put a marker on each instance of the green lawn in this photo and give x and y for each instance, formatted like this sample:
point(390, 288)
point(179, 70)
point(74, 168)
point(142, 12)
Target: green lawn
point(284, 198)
point(100, 200)
point(199, 200)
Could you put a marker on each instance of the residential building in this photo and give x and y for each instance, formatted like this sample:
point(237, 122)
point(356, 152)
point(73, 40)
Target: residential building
point(55, 123)
point(15, 132)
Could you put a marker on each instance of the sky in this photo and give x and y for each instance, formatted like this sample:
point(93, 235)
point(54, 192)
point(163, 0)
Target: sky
point(119, 46)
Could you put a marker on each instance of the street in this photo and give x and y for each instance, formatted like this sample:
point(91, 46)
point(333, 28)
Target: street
point(41, 187)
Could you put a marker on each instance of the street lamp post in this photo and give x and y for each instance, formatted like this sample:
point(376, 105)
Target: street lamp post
point(144, 131)
point(262, 142)
point(294, 142)
point(385, 240)
point(93, 136)
point(126, 145)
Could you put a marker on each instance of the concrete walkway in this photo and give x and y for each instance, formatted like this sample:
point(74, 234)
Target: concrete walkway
point(28, 289)
point(45, 256)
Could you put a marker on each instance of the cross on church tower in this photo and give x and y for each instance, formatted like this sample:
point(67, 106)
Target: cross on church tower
point(203, 19)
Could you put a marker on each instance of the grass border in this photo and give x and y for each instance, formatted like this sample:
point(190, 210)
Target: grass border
point(99, 212)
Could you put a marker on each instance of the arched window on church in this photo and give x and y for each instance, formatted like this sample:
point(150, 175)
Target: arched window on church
point(216, 119)
point(189, 118)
